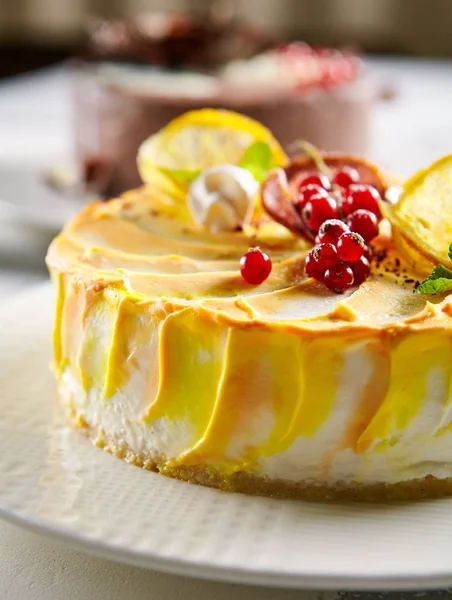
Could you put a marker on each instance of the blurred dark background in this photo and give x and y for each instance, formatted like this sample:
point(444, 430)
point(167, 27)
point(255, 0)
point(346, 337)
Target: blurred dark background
point(36, 33)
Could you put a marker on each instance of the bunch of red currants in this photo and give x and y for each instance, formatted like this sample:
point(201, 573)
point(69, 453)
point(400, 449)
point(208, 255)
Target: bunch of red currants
point(342, 216)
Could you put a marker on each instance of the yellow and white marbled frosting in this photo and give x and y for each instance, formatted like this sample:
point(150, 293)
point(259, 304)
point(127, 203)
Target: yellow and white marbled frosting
point(170, 360)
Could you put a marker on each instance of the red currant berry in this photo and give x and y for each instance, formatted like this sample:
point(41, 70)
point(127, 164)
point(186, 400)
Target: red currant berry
point(255, 266)
point(318, 210)
point(330, 231)
point(346, 176)
point(326, 255)
point(305, 193)
point(361, 196)
point(312, 267)
point(361, 270)
point(368, 253)
point(319, 259)
point(365, 223)
point(350, 247)
point(339, 278)
point(317, 179)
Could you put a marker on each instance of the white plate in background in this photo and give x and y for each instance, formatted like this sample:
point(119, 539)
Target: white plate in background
point(26, 197)
point(31, 214)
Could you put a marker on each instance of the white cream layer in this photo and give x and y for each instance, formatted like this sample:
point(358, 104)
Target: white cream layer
point(417, 452)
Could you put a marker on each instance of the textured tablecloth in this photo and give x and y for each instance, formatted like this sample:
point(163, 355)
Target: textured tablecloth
point(408, 133)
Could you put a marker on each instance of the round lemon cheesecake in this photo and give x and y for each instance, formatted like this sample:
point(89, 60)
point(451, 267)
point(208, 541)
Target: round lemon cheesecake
point(168, 358)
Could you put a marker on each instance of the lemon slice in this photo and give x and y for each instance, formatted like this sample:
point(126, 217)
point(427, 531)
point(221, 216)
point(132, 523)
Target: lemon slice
point(422, 217)
point(171, 158)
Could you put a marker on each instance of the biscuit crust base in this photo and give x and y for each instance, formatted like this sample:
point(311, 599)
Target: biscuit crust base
point(257, 485)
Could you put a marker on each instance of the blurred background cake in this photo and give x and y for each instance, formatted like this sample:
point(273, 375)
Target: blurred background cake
point(133, 76)
point(83, 81)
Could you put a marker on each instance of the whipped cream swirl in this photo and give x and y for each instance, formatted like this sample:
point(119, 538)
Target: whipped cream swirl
point(222, 198)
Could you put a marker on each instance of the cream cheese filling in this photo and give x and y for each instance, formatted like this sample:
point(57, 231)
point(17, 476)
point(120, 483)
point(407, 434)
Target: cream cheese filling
point(423, 448)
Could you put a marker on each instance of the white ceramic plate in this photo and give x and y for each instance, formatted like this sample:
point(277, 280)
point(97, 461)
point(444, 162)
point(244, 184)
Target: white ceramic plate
point(54, 481)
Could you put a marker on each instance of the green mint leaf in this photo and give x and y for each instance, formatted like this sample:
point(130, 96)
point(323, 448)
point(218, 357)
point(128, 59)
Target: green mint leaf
point(257, 155)
point(441, 272)
point(181, 175)
point(258, 173)
point(435, 286)
point(450, 252)
point(439, 281)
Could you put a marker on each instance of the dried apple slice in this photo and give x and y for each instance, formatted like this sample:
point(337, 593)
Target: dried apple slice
point(422, 217)
point(278, 201)
point(369, 174)
point(279, 190)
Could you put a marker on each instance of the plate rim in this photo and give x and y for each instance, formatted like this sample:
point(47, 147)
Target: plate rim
point(200, 570)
